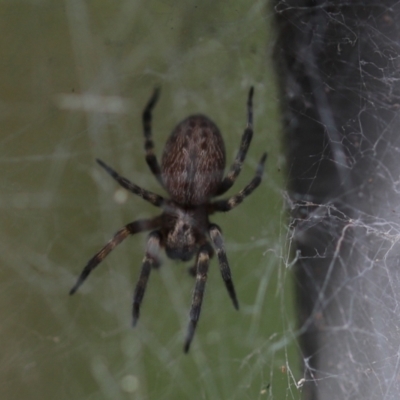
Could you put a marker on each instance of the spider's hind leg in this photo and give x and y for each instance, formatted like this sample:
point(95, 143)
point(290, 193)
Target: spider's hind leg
point(232, 202)
point(236, 167)
point(151, 197)
point(151, 158)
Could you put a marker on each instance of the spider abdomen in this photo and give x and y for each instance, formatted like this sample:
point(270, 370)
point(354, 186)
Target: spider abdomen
point(193, 161)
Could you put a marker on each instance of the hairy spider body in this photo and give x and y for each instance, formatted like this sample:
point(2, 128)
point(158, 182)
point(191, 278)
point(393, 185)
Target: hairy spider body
point(192, 169)
point(184, 231)
point(193, 161)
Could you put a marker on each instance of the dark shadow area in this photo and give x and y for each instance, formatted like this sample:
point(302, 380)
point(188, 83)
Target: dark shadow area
point(338, 68)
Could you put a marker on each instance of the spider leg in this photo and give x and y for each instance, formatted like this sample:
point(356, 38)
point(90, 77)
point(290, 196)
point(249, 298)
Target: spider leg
point(150, 261)
point(203, 261)
point(151, 159)
point(129, 229)
point(192, 270)
point(236, 167)
point(218, 241)
point(232, 202)
point(151, 197)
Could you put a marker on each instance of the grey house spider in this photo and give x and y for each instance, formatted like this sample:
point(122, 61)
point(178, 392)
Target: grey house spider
point(191, 171)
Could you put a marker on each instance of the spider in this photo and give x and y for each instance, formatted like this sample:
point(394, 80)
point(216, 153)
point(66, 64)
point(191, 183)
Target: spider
point(191, 171)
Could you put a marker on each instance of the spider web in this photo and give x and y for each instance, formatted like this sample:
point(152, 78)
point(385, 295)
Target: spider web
point(338, 64)
point(76, 76)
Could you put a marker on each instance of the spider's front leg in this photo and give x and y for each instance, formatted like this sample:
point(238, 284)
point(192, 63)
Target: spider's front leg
point(122, 234)
point(218, 241)
point(202, 263)
point(150, 261)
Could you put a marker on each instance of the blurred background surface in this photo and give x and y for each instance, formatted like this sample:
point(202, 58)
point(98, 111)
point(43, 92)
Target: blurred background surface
point(75, 77)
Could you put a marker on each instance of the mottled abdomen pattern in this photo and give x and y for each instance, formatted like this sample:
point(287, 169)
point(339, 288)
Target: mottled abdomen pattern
point(193, 161)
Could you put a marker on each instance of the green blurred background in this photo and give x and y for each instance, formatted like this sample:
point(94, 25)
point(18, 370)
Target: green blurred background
point(58, 207)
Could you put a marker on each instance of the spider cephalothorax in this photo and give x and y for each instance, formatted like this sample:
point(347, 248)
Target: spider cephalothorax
point(191, 171)
point(182, 234)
